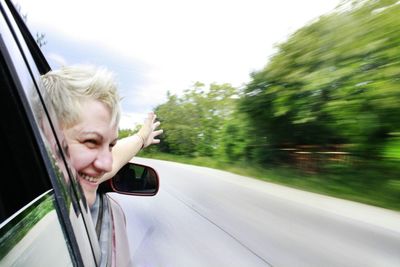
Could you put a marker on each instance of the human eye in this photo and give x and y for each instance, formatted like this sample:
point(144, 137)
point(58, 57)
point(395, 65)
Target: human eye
point(91, 142)
point(112, 145)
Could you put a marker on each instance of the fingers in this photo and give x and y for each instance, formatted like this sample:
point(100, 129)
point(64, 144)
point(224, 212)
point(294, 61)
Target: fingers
point(151, 116)
point(156, 124)
point(149, 129)
point(158, 132)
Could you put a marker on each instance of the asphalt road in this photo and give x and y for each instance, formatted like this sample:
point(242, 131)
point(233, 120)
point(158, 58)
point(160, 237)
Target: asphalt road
point(205, 217)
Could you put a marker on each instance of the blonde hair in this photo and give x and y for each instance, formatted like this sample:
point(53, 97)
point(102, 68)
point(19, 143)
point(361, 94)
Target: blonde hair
point(70, 86)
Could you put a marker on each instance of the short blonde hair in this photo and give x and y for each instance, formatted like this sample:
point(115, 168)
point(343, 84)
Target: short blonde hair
point(70, 86)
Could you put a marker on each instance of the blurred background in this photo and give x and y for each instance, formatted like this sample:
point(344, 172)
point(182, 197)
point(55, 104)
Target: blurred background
point(323, 114)
point(317, 110)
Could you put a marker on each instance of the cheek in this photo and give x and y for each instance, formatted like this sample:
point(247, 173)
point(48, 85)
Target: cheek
point(81, 157)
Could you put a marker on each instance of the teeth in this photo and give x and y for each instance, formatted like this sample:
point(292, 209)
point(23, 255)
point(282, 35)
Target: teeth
point(89, 178)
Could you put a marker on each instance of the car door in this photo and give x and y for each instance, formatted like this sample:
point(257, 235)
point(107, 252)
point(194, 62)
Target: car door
point(44, 219)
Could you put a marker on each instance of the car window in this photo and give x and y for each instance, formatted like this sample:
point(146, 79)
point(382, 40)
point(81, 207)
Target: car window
point(39, 202)
point(34, 237)
point(30, 223)
point(16, 144)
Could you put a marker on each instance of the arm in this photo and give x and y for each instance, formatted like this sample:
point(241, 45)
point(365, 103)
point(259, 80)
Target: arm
point(128, 147)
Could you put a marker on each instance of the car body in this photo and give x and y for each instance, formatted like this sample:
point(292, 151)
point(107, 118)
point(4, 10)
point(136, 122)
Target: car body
point(44, 217)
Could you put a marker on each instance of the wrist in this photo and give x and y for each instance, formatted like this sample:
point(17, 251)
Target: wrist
point(141, 139)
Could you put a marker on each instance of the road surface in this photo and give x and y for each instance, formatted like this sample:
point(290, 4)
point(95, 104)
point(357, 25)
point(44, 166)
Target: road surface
point(206, 217)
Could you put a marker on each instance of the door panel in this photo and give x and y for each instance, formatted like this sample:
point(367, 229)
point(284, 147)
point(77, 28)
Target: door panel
point(34, 237)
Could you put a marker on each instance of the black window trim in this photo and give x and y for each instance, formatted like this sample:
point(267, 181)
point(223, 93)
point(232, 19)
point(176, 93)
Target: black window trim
point(16, 87)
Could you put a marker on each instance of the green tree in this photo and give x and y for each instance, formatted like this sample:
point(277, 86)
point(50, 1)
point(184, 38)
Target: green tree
point(192, 122)
point(333, 81)
point(122, 133)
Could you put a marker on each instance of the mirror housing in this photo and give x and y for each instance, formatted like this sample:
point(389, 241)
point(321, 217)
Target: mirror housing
point(133, 179)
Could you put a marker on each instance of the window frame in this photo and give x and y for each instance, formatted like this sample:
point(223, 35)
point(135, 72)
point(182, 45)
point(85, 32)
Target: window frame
point(27, 138)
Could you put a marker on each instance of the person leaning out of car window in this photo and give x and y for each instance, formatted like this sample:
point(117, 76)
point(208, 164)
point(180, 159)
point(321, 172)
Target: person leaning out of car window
point(86, 101)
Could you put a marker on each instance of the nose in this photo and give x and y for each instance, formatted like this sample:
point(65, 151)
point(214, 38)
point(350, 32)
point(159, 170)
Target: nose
point(104, 160)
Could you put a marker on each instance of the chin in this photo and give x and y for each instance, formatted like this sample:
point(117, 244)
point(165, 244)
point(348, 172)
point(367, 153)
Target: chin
point(89, 189)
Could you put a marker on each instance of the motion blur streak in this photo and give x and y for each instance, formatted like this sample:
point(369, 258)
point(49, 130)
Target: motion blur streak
point(206, 217)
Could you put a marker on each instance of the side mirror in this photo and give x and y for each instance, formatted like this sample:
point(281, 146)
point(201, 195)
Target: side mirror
point(133, 179)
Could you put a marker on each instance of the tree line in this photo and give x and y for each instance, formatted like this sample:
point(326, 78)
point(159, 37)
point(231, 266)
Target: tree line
point(334, 85)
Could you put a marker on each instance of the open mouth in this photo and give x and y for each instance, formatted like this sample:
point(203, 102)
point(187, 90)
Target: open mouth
point(89, 178)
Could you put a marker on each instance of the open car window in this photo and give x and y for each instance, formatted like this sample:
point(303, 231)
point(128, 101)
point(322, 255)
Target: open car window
point(39, 201)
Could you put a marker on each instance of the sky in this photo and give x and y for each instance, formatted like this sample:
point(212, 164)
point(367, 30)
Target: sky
point(155, 46)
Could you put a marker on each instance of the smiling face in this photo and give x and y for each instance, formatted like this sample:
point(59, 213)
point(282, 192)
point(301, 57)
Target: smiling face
point(89, 145)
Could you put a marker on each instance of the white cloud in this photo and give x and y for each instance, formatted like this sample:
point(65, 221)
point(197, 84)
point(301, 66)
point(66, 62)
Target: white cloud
point(180, 41)
point(130, 120)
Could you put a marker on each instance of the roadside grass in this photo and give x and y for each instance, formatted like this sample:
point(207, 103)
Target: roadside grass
point(376, 184)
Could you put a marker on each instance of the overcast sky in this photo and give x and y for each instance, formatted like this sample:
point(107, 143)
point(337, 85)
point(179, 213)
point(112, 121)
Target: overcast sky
point(157, 45)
